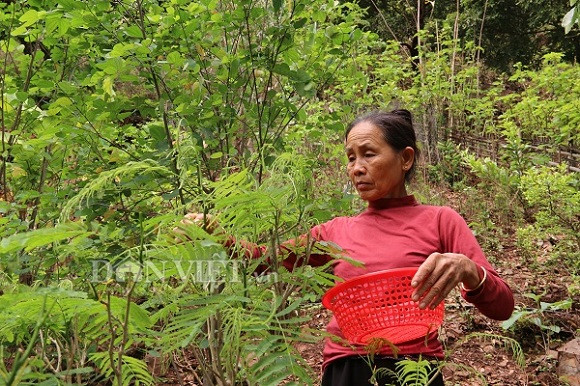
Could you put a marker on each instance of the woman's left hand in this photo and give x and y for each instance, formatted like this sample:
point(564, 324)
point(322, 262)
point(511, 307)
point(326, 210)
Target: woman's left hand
point(439, 274)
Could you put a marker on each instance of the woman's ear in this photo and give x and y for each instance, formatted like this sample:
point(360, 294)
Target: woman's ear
point(408, 158)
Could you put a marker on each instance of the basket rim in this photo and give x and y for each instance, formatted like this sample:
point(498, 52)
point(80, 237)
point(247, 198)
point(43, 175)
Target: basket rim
point(326, 299)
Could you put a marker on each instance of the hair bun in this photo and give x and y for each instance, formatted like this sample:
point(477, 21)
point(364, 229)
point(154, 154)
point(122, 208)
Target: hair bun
point(405, 114)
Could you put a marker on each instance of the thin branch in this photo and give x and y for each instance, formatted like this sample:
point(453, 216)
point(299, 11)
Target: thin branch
point(479, 48)
point(3, 109)
point(42, 180)
point(387, 25)
point(26, 85)
point(113, 337)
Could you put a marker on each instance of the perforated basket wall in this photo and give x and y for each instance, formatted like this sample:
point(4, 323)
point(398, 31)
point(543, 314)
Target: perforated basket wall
point(379, 305)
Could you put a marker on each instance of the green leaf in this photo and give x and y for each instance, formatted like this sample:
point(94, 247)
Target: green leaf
point(19, 31)
point(290, 308)
point(301, 76)
point(300, 22)
point(551, 327)
point(21, 96)
point(62, 101)
point(565, 304)
point(139, 318)
point(45, 84)
point(67, 87)
point(108, 83)
point(171, 195)
point(175, 58)
point(40, 237)
point(57, 25)
point(133, 31)
point(277, 5)
point(282, 69)
point(513, 319)
point(30, 17)
point(357, 34)
point(569, 19)
point(71, 4)
point(121, 49)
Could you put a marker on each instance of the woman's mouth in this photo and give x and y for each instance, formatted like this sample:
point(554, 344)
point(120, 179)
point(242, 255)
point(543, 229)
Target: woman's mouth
point(362, 185)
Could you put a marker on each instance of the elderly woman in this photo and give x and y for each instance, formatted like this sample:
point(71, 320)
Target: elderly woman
point(396, 231)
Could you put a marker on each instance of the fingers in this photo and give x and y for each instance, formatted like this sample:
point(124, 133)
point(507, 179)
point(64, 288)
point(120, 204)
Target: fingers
point(425, 270)
point(436, 277)
point(191, 219)
point(180, 235)
point(435, 296)
point(205, 221)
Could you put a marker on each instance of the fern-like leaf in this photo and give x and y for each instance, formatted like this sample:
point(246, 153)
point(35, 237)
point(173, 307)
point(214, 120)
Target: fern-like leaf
point(107, 179)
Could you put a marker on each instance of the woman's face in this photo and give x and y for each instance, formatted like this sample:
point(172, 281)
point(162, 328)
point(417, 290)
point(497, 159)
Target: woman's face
point(375, 168)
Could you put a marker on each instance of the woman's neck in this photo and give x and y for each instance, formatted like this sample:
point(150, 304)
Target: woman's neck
point(392, 202)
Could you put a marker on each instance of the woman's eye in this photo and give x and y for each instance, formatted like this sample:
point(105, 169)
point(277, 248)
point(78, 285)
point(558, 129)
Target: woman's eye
point(369, 154)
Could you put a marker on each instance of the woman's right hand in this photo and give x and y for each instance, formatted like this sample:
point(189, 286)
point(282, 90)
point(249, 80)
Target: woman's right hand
point(205, 221)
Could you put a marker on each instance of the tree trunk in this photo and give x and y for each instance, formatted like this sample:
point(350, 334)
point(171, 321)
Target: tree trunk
point(429, 119)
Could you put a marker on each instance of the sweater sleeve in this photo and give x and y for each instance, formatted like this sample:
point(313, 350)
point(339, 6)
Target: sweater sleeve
point(494, 299)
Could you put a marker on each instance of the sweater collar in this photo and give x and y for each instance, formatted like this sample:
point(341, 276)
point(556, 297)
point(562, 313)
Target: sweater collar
point(387, 203)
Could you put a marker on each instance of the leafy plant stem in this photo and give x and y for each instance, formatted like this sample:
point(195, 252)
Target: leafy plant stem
point(4, 154)
point(111, 349)
point(58, 350)
point(39, 189)
point(26, 85)
point(454, 52)
point(479, 48)
point(214, 344)
point(20, 360)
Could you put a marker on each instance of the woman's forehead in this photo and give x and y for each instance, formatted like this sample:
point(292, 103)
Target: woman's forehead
point(364, 134)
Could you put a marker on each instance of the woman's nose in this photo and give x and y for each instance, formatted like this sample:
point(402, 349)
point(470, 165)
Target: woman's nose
point(358, 168)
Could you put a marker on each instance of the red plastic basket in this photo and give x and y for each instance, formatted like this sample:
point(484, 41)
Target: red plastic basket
point(379, 305)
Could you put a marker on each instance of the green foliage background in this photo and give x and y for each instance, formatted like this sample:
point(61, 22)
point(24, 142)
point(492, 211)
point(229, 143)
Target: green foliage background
point(118, 117)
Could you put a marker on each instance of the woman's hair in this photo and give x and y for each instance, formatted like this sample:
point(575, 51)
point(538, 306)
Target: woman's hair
point(397, 129)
